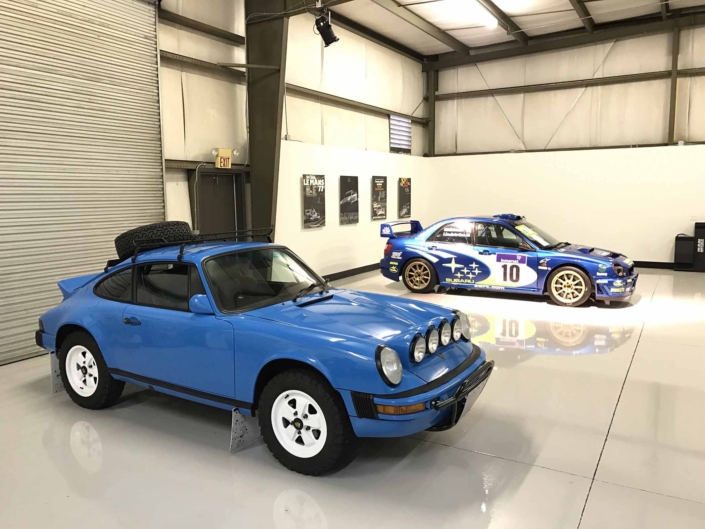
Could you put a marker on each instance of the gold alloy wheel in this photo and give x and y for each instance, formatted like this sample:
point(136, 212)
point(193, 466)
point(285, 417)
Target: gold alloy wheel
point(418, 275)
point(568, 287)
point(568, 334)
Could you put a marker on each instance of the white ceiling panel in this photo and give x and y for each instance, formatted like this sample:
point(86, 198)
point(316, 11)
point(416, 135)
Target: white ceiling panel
point(481, 36)
point(453, 14)
point(541, 24)
point(385, 23)
point(608, 10)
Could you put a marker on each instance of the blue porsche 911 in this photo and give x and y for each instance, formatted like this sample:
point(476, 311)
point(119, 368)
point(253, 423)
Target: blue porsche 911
point(503, 253)
point(247, 325)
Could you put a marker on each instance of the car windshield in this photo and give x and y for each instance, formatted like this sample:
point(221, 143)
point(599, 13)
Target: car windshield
point(536, 235)
point(257, 278)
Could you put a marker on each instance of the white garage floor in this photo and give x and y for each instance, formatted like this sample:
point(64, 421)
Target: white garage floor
point(593, 418)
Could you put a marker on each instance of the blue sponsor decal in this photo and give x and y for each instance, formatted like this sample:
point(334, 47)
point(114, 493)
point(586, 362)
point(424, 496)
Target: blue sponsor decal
point(511, 258)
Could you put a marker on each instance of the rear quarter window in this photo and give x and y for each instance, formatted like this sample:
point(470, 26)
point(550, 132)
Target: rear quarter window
point(117, 287)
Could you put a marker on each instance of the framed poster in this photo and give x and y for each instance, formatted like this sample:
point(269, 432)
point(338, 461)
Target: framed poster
point(404, 198)
point(314, 192)
point(349, 205)
point(379, 197)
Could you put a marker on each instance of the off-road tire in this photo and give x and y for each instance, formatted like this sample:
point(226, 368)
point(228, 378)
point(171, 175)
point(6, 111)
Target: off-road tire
point(171, 231)
point(108, 389)
point(341, 443)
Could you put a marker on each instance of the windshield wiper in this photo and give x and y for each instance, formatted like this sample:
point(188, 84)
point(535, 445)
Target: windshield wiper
point(324, 285)
point(558, 245)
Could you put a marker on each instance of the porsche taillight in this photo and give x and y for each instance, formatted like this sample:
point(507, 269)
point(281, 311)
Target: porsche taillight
point(387, 248)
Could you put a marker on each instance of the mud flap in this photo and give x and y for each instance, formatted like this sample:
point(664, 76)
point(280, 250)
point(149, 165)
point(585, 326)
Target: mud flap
point(57, 386)
point(244, 431)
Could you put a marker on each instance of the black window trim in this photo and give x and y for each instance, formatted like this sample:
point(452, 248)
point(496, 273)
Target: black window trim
point(114, 273)
point(133, 287)
point(511, 229)
point(253, 248)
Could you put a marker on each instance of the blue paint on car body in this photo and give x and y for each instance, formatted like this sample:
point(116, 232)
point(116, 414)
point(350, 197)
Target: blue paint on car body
point(502, 253)
point(218, 358)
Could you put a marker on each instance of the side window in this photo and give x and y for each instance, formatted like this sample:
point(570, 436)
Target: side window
point(162, 285)
point(196, 286)
point(496, 236)
point(117, 287)
point(459, 232)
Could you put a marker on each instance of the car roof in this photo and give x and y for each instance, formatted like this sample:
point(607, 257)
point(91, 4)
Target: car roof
point(503, 217)
point(195, 253)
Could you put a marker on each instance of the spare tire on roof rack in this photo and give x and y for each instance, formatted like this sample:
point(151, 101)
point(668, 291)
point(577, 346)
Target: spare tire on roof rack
point(170, 232)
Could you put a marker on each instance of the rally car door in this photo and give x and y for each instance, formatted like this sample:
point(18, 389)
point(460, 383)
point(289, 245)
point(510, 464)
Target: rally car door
point(501, 250)
point(451, 252)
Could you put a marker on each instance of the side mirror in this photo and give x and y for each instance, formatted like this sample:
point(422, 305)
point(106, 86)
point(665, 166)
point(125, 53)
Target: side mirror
point(200, 304)
point(525, 246)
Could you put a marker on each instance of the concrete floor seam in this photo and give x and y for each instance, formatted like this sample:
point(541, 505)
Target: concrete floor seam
point(614, 413)
point(651, 492)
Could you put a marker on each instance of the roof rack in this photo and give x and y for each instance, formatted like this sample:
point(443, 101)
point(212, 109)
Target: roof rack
point(151, 244)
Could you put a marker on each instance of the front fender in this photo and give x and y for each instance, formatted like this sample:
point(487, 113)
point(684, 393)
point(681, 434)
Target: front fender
point(348, 364)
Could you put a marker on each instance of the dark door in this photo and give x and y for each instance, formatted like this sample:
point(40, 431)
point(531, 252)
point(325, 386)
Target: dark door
point(217, 200)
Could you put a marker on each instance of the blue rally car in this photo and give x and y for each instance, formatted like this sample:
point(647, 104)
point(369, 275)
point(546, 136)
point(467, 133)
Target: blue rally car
point(503, 253)
point(248, 325)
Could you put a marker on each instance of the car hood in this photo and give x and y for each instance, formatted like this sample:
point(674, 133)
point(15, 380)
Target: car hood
point(599, 254)
point(376, 320)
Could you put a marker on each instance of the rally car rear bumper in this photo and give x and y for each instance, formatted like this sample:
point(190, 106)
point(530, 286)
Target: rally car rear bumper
point(390, 269)
point(446, 400)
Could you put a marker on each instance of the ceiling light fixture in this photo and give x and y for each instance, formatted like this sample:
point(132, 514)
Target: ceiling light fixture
point(324, 28)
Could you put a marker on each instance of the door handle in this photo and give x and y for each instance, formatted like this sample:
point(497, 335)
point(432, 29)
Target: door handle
point(432, 247)
point(485, 252)
point(131, 321)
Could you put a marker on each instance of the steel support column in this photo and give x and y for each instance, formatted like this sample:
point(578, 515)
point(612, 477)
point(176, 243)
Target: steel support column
point(266, 45)
point(675, 47)
point(432, 86)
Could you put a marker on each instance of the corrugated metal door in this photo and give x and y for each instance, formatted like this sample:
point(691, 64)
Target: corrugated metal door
point(80, 147)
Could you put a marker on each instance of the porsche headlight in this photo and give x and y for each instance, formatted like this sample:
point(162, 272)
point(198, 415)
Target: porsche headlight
point(461, 327)
point(619, 270)
point(389, 365)
point(432, 340)
point(418, 349)
point(446, 333)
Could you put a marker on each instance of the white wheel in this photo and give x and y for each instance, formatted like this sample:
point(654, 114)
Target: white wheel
point(81, 370)
point(86, 447)
point(568, 287)
point(299, 424)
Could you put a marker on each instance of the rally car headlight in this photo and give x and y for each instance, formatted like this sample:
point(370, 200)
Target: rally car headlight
point(446, 333)
point(461, 327)
point(389, 365)
point(432, 340)
point(619, 270)
point(418, 349)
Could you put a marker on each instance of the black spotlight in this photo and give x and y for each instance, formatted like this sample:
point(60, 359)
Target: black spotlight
point(324, 28)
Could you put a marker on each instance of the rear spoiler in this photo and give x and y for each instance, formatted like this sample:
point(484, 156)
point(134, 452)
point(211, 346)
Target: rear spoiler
point(71, 285)
point(387, 229)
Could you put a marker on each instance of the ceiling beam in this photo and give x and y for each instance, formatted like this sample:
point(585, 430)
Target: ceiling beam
point(584, 14)
point(423, 25)
point(366, 33)
point(665, 9)
point(200, 26)
point(584, 39)
point(507, 23)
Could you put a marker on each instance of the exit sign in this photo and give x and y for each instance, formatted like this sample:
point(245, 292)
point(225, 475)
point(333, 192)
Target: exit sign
point(224, 159)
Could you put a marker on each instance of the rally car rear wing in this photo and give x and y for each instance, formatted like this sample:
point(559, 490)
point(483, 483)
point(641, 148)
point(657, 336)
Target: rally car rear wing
point(387, 229)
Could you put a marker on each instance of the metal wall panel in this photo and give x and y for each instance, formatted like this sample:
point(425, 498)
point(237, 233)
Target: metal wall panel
point(80, 147)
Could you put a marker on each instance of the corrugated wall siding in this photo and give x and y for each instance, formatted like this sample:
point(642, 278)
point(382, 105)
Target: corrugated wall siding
point(80, 147)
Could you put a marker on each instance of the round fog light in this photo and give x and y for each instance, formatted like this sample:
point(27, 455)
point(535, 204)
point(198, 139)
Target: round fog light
point(457, 329)
point(418, 349)
point(432, 340)
point(446, 333)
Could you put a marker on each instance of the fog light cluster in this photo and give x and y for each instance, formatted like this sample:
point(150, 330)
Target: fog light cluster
point(458, 329)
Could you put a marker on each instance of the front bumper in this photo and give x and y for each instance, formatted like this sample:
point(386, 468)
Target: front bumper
point(615, 289)
point(445, 403)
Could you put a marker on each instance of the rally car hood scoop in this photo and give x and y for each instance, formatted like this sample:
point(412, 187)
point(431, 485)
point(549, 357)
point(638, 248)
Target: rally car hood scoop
point(579, 249)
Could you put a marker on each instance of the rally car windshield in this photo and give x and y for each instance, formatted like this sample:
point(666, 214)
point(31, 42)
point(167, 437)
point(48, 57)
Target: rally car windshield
point(257, 278)
point(536, 235)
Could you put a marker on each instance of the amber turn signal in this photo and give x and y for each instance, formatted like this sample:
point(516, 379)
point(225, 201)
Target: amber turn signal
point(400, 410)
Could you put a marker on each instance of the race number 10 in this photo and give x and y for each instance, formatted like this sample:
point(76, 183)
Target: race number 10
point(512, 272)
